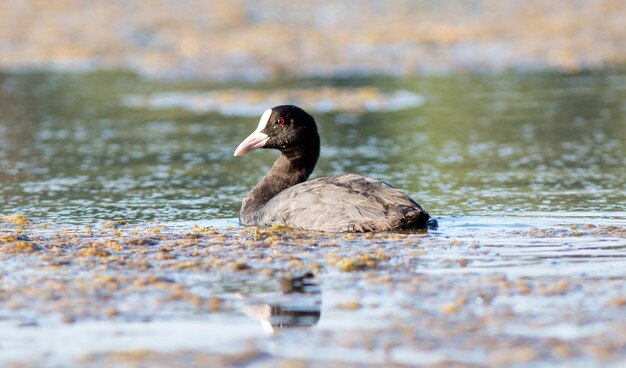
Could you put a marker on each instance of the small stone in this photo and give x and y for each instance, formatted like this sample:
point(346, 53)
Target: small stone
point(240, 266)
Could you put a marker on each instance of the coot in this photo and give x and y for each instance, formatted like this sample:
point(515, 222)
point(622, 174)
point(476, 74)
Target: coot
point(342, 203)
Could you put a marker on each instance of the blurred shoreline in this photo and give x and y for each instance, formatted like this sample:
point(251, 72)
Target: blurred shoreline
point(261, 40)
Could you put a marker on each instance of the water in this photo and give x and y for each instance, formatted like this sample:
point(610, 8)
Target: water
point(525, 173)
point(74, 151)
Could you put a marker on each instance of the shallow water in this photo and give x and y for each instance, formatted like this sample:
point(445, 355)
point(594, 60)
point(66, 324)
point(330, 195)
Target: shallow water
point(481, 290)
point(524, 172)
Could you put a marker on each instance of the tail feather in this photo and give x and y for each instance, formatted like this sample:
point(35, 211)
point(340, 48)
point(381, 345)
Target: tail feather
point(416, 219)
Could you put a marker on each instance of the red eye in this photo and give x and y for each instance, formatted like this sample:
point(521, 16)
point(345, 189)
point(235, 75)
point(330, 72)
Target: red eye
point(281, 121)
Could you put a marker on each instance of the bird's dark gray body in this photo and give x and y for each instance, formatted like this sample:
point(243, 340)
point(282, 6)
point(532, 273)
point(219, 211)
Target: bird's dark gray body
point(340, 203)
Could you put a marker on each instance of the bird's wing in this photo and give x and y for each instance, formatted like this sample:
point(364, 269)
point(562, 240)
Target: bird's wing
point(339, 203)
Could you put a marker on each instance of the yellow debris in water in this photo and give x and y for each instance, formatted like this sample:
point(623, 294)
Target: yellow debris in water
point(349, 305)
point(113, 224)
point(215, 304)
point(93, 252)
point(381, 255)
point(20, 247)
point(280, 227)
point(20, 220)
point(357, 263)
point(619, 301)
point(204, 230)
point(7, 238)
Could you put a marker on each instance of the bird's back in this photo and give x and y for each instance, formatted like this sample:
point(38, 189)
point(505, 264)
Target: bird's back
point(340, 203)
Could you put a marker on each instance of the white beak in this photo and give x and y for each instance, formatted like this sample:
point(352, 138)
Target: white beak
point(257, 139)
point(254, 141)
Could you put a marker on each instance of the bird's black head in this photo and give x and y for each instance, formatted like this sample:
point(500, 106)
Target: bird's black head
point(285, 128)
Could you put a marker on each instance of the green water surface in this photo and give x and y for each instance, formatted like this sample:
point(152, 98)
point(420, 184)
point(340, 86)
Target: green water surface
point(479, 145)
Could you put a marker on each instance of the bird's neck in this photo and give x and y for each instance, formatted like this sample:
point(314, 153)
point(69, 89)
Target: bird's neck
point(292, 167)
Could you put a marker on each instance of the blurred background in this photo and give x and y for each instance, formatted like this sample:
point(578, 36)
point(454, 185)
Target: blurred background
point(250, 39)
point(504, 119)
point(132, 109)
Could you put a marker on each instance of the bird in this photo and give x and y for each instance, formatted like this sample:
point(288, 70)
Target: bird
point(337, 204)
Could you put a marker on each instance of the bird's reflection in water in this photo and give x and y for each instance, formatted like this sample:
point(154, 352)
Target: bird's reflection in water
point(298, 304)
